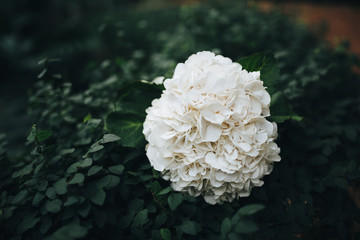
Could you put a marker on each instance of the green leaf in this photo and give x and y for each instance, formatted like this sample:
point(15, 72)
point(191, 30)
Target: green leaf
point(128, 127)
point(94, 169)
point(28, 222)
point(73, 167)
point(110, 138)
point(141, 218)
point(126, 220)
point(71, 231)
point(42, 74)
point(38, 198)
point(42, 135)
point(20, 196)
point(61, 186)
point(174, 200)
point(53, 206)
point(280, 109)
point(137, 96)
point(71, 201)
point(77, 179)
point(66, 151)
point(87, 162)
point(96, 147)
point(165, 234)
point(108, 182)
point(24, 171)
point(250, 209)
point(32, 135)
point(42, 185)
point(38, 168)
point(160, 219)
point(155, 187)
point(165, 191)
point(245, 227)
point(31, 182)
point(117, 169)
point(51, 193)
point(98, 197)
point(225, 226)
point(264, 62)
point(190, 227)
point(87, 118)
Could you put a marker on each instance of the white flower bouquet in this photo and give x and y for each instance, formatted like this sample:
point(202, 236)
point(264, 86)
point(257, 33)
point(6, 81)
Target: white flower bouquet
point(208, 132)
point(211, 132)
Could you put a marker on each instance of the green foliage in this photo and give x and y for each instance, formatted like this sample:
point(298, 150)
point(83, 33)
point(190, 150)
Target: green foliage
point(128, 127)
point(266, 64)
point(174, 200)
point(239, 225)
point(80, 176)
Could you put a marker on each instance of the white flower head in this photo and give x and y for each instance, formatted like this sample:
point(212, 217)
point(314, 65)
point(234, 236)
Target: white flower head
point(208, 134)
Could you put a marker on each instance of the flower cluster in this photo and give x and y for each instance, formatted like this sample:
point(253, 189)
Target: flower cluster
point(207, 132)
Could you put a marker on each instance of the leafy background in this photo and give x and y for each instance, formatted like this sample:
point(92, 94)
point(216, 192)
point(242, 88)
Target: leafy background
point(72, 178)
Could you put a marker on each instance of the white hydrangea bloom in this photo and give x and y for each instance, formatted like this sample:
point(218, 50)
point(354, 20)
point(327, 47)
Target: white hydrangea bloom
point(207, 132)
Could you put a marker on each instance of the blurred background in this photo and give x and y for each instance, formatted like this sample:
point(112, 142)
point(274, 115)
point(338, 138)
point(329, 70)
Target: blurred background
point(82, 34)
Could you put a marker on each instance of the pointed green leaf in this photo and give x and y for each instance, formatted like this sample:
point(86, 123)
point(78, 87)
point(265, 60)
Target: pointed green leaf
point(190, 227)
point(53, 206)
point(77, 179)
point(94, 169)
point(61, 186)
point(128, 127)
point(117, 169)
point(87, 162)
point(98, 197)
point(43, 135)
point(174, 200)
point(250, 209)
point(141, 218)
point(225, 226)
point(264, 62)
point(51, 193)
point(165, 191)
point(165, 234)
point(110, 138)
point(32, 135)
point(280, 109)
point(245, 227)
point(66, 151)
point(108, 182)
point(37, 198)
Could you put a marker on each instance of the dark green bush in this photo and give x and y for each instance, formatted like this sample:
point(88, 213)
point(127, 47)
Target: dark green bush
point(77, 180)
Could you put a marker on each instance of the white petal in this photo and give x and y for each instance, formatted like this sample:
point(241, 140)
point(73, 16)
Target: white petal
point(261, 137)
point(156, 160)
point(245, 146)
point(210, 199)
point(212, 133)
